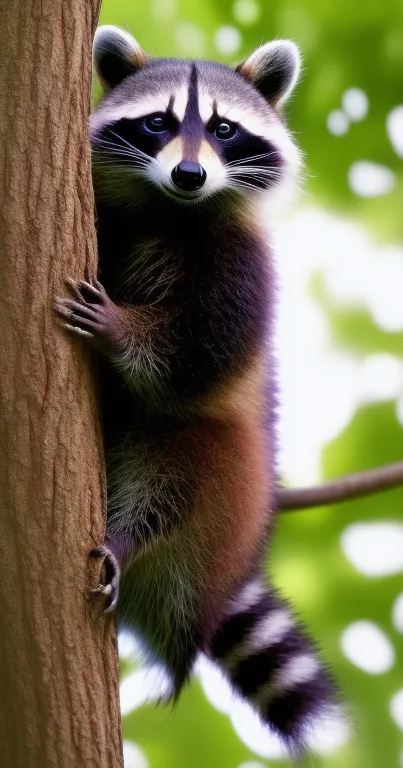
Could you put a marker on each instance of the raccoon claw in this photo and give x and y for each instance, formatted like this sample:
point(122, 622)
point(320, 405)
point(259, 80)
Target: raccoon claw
point(110, 589)
point(91, 313)
point(84, 291)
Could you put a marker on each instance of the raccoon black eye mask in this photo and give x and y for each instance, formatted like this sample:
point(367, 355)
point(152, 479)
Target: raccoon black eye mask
point(223, 124)
point(182, 317)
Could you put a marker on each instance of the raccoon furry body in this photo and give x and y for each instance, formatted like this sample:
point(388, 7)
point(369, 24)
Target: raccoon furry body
point(182, 151)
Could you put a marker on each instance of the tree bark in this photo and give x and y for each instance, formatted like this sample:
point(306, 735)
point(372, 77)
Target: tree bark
point(58, 661)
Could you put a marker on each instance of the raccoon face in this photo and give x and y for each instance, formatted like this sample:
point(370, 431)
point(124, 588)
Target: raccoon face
point(190, 129)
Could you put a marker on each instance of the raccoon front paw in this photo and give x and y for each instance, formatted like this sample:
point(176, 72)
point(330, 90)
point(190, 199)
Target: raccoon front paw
point(91, 313)
point(109, 588)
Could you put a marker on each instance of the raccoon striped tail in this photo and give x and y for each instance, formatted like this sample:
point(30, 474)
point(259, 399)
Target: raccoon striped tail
point(270, 662)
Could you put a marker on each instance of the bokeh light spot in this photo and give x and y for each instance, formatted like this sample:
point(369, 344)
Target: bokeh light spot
point(191, 39)
point(381, 377)
point(396, 709)
point(367, 647)
point(255, 735)
point(330, 733)
point(331, 384)
point(133, 756)
point(374, 549)
point(227, 40)
point(252, 765)
point(245, 721)
point(355, 104)
point(246, 11)
point(164, 10)
point(337, 122)
point(382, 290)
point(368, 179)
point(128, 646)
point(216, 688)
point(142, 686)
point(394, 129)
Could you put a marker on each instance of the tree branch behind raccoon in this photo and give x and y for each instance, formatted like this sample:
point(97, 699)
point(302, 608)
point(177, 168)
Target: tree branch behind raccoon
point(349, 486)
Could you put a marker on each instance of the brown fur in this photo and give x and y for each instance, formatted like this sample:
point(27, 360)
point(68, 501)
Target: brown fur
point(233, 464)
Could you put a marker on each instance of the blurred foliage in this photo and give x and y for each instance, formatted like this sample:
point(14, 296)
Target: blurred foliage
point(343, 45)
point(338, 595)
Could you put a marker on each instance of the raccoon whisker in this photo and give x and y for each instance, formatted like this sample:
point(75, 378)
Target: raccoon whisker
point(252, 167)
point(131, 147)
point(259, 184)
point(255, 171)
point(122, 165)
point(255, 176)
point(250, 159)
point(119, 162)
point(108, 143)
point(110, 158)
point(239, 184)
point(115, 149)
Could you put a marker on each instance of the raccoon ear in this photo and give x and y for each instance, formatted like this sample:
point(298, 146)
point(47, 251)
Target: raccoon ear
point(116, 55)
point(273, 69)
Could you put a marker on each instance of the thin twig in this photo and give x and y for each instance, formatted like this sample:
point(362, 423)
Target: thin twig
point(346, 487)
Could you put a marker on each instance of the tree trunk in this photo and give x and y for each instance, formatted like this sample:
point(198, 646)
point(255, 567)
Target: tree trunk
point(58, 662)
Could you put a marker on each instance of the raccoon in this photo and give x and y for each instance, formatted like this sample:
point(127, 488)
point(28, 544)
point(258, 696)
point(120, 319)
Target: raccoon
point(183, 152)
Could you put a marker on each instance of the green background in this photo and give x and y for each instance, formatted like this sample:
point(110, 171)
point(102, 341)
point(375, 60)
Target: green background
point(343, 44)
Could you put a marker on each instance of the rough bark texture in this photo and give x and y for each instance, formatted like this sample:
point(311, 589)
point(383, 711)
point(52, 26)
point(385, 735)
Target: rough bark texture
point(58, 662)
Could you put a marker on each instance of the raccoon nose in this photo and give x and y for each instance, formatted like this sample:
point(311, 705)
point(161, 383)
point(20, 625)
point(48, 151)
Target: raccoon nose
point(188, 176)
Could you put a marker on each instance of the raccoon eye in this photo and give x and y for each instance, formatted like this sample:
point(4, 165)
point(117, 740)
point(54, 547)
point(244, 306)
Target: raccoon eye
point(225, 130)
point(156, 123)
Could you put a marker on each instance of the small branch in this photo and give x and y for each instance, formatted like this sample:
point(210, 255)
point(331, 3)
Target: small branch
point(347, 487)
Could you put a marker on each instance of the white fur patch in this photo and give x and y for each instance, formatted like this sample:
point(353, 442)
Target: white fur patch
point(251, 121)
point(271, 629)
point(213, 167)
point(206, 105)
point(247, 597)
point(132, 110)
point(180, 102)
point(299, 669)
point(170, 156)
